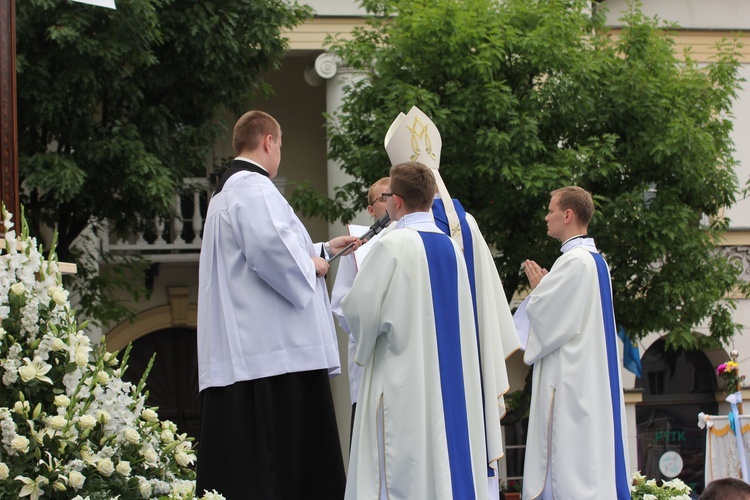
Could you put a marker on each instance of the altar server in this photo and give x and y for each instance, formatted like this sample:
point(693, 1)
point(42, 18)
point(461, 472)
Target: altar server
point(266, 340)
point(577, 441)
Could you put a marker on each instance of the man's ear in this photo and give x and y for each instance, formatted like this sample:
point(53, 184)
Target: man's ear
point(267, 141)
point(370, 211)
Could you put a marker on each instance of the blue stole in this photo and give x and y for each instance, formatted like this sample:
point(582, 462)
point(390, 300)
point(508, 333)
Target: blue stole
point(441, 259)
point(605, 291)
point(441, 221)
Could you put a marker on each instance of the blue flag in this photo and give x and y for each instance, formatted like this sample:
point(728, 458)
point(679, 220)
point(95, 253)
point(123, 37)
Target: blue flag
point(631, 359)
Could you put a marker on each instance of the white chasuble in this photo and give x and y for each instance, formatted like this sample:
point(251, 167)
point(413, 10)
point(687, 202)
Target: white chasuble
point(576, 446)
point(496, 332)
point(411, 313)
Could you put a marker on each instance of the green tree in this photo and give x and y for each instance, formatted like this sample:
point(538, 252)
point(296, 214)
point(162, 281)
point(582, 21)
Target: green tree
point(115, 107)
point(532, 95)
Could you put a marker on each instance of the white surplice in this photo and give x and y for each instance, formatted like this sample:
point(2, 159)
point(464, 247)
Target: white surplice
point(572, 438)
point(390, 311)
point(261, 310)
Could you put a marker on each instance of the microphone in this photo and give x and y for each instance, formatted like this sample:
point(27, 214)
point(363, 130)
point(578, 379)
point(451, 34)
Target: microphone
point(379, 225)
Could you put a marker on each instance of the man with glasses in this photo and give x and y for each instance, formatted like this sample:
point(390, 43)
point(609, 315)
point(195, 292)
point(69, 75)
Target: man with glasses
point(419, 427)
point(345, 277)
point(415, 137)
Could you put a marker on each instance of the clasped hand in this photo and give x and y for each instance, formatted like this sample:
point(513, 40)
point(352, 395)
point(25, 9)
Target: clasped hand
point(534, 272)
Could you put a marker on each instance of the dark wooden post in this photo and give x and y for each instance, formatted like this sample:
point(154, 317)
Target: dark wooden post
point(8, 121)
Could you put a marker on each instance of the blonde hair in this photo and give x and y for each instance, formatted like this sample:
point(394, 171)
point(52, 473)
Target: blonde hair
point(371, 191)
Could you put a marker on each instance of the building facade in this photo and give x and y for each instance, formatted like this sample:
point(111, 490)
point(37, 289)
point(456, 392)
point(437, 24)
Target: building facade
point(662, 405)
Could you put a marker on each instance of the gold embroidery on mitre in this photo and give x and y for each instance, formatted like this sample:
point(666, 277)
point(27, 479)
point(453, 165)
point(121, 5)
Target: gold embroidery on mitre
point(418, 131)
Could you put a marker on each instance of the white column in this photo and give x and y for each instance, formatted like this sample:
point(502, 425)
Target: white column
point(329, 70)
point(337, 76)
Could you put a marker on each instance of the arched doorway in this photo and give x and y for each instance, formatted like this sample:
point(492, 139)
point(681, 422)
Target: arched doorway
point(677, 385)
point(173, 381)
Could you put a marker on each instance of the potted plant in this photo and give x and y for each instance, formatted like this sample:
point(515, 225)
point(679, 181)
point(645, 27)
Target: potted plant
point(511, 490)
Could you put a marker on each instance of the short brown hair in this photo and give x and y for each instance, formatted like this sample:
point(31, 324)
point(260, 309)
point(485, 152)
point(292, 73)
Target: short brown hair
point(578, 200)
point(371, 191)
point(415, 184)
point(251, 128)
point(727, 488)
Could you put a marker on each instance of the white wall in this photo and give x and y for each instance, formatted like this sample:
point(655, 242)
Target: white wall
point(690, 14)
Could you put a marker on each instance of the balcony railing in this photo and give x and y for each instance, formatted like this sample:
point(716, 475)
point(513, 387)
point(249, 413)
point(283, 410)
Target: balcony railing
point(177, 239)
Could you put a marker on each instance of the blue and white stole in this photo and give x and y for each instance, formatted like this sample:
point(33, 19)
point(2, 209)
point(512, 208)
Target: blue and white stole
point(622, 480)
point(441, 259)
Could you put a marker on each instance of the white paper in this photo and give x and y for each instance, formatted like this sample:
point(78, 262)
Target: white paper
point(359, 254)
point(110, 4)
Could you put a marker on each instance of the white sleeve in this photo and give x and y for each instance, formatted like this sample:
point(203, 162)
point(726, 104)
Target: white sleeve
point(262, 223)
point(345, 275)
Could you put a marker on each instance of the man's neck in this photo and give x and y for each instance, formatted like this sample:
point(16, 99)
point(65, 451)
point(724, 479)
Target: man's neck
point(572, 233)
point(250, 158)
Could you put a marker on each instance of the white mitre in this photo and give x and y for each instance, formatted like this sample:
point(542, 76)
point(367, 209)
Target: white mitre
point(413, 137)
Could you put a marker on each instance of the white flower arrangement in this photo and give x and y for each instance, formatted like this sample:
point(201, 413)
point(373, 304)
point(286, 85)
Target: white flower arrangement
point(70, 427)
point(642, 488)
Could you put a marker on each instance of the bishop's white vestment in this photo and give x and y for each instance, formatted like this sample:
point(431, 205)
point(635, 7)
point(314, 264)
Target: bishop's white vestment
point(577, 439)
point(419, 426)
point(495, 329)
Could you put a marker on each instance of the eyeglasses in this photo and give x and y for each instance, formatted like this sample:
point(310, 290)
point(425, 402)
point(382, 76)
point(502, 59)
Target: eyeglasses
point(383, 197)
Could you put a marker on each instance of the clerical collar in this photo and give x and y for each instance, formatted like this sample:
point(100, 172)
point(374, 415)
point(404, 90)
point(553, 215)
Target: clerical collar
point(248, 160)
point(421, 221)
point(582, 240)
point(238, 165)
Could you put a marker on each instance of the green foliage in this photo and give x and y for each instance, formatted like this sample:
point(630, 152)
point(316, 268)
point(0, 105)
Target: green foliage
point(532, 95)
point(115, 107)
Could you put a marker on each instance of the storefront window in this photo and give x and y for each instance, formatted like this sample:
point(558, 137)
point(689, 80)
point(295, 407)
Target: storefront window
point(677, 385)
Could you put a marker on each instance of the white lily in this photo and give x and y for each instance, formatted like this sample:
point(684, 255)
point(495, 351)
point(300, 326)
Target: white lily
point(32, 488)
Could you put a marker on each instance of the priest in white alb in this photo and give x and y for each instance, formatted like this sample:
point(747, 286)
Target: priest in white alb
point(415, 137)
point(419, 427)
point(577, 440)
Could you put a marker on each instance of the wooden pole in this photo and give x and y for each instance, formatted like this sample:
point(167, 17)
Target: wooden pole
point(8, 117)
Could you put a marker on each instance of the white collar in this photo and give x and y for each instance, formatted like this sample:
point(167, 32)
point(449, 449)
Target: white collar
point(420, 221)
point(579, 241)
